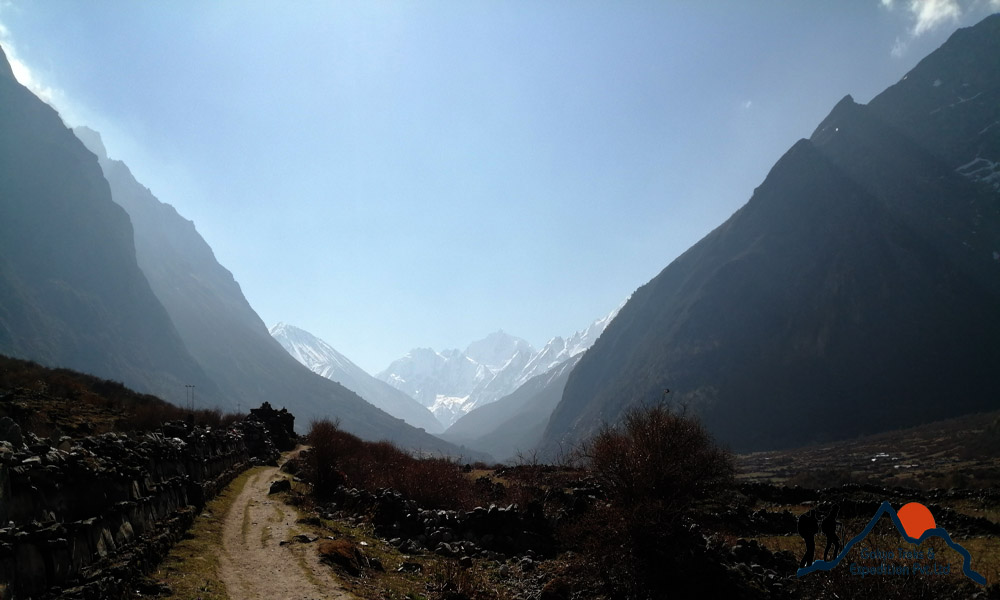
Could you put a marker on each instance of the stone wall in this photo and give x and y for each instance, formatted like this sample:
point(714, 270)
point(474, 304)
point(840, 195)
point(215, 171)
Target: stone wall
point(83, 518)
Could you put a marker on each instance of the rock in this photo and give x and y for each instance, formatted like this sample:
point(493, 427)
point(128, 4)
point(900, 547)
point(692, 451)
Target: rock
point(282, 485)
point(11, 432)
point(149, 587)
point(341, 553)
point(465, 562)
point(304, 538)
point(410, 567)
point(559, 588)
point(280, 425)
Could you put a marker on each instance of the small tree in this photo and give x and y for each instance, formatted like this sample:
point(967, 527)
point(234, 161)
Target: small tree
point(658, 456)
point(329, 446)
point(654, 467)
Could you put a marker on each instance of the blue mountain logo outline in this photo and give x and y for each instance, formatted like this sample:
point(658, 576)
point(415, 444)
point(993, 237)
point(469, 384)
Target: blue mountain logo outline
point(886, 508)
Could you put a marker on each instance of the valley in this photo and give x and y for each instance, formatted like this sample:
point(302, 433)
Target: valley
point(819, 366)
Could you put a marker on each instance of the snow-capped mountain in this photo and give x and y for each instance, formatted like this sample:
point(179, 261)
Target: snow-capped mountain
point(558, 350)
point(323, 359)
point(452, 382)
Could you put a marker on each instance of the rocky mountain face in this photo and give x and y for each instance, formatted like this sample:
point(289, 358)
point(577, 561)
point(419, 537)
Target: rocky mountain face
point(71, 291)
point(223, 332)
point(855, 292)
point(322, 359)
point(452, 382)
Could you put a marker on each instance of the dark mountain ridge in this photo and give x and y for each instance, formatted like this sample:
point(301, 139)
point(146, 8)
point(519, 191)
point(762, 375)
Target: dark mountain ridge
point(855, 292)
point(71, 292)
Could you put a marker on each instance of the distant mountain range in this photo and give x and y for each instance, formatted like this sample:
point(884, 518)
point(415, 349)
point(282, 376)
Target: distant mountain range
point(857, 291)
point(321, 358)
point(452, 382)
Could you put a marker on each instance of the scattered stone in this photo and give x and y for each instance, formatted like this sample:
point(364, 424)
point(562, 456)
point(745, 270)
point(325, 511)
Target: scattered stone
point(410, 567)
point(282, 485)
point(304, 538)
point(11, 432)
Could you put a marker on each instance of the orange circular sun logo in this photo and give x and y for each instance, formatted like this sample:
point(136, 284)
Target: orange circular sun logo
point(916, 519)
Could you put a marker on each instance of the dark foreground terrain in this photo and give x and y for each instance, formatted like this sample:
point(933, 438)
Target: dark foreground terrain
point(650, 509)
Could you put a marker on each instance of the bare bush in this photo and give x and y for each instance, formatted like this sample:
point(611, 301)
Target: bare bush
point(654, 468)
point(339, 457)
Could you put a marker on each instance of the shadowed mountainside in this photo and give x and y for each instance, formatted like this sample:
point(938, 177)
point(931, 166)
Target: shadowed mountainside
point(71, 292)
point(856, 291)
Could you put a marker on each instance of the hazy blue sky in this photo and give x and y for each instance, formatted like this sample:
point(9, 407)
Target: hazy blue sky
point(389, 175)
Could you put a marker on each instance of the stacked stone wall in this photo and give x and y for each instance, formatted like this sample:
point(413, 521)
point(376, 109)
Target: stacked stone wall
point(85, 518)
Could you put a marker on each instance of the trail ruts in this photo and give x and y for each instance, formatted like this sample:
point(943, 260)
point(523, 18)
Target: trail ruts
point(253, 565)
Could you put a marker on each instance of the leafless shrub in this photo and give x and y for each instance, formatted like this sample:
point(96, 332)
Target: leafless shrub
point(654, 467)
point(340, 457)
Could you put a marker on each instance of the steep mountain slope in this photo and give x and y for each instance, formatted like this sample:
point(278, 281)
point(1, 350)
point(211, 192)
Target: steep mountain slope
point(515, 423)
point(322, 359)
point(223, 332)
point(71, 293)
point(856, 291)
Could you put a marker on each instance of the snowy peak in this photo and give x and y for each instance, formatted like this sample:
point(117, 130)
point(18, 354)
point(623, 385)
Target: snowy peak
point(451, 383)
point(321, 358)
point(496, 349)
point(312, 352)
point(559, 350)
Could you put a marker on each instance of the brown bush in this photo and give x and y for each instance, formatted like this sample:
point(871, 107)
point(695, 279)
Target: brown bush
point(654, 467)
point(339, 457)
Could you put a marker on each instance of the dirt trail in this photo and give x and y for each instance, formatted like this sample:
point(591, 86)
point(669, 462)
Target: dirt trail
point(253, 565)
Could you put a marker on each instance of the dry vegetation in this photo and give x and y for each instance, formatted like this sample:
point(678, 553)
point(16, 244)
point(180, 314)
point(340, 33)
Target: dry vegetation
point(669, 511)
point(338, 457)
point(662, 505)
point(56, 402)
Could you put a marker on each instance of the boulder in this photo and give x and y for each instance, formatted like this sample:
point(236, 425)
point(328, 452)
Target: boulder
point(342, 553)
point(281, 485)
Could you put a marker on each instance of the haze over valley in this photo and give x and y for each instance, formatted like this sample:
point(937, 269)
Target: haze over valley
point(439, 210)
